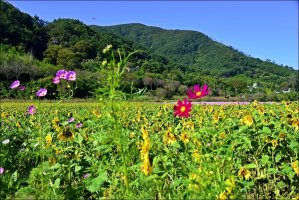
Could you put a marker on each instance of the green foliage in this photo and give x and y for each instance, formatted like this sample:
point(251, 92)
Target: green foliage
point(51, 54)
point(67, 58)
point(20, 29)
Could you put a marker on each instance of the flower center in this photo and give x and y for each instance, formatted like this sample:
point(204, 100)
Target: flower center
point(198, 94)
point(183, 108)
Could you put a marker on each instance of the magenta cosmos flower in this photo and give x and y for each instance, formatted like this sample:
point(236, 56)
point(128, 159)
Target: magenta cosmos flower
point(79, 125)
point(61, 74)
point(14, 84)
point(31, 110)
point(42, 92)
point(1, 170)
point(71, 76)
point(22, 87)
point(198, 92)
point(182, 108)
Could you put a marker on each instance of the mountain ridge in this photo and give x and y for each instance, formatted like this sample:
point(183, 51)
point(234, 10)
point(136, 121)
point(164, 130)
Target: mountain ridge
point(107, 27)
point(196, 51)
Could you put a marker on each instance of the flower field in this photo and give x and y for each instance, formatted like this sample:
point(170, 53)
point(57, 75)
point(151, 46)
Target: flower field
point(140, 150)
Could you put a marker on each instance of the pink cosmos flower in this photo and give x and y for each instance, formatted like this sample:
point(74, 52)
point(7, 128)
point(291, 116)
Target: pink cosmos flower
point(71, 76)
point(14, 84)
point(182, 108)
point(71, 119)
point(85, 176)
point(42, 92)
point(31, 110)
point(56, 80)
point(198, 93)
point(61, 74)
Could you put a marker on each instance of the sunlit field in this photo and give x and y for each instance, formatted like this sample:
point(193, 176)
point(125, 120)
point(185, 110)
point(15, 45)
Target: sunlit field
point(141, 150)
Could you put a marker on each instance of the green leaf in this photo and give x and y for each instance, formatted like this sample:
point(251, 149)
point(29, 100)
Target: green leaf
point(286, 169)
point(14, 176)
point(278, 157)
point(78, 138)
point(294, 146)
point(272, 170)
point(266, 130)
point(56, 166)
point(265, 160)
point(250, 166)
point(56, 183)
point(281, 184)
point(176, 183)
point(156, 160)
point(177, 128)
point(246, 183)
point(152, 177)
point(64, 123)
point(77, 168)
point(97, 182)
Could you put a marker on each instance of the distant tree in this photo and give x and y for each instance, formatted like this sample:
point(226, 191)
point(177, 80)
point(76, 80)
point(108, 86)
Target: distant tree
point(170, 89)
point(85, 49)
point(148, 82)
point(67, 59)
point(161, 93)
point(182, 89)
point(51, 54)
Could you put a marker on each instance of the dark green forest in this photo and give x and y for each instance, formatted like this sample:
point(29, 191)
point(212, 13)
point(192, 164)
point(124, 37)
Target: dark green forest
point(167, 63)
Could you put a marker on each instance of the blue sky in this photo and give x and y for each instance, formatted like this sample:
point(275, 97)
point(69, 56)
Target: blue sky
point(262, 29)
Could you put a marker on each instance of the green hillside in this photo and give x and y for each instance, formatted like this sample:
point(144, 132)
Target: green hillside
point(177, 45)
point(196, 51)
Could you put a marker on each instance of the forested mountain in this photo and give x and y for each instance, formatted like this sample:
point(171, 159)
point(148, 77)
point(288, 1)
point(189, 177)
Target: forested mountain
point(196, 51)
point(168, 61)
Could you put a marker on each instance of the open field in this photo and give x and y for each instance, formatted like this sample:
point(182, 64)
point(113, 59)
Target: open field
point(81, 150)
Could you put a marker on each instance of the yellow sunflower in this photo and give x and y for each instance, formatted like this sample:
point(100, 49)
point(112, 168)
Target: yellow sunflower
point(248, 120)
point(243, 172)
point(66, 134)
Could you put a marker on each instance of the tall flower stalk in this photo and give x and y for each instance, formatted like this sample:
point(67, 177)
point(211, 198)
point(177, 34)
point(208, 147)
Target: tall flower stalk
point(113, 70)
point(63, 81)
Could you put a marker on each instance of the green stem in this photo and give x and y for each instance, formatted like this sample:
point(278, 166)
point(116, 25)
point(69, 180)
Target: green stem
point(41, 153)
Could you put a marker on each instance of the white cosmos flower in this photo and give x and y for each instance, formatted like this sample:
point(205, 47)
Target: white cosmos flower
point(5, 141)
